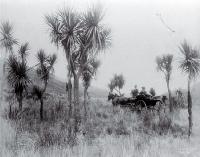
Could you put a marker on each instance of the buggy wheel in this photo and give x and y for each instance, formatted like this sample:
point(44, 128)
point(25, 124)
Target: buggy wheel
point(132, 107)
point(141, 106)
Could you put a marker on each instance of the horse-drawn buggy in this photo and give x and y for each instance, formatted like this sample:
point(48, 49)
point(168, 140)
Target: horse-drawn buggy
point(141, 102)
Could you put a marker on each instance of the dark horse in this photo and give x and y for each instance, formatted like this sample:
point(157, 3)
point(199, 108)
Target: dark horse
point(120, 100)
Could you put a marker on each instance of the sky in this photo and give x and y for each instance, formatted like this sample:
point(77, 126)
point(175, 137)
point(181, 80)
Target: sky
point(138, 36)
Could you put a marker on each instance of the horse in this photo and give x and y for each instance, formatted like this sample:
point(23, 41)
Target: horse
point(119, 100)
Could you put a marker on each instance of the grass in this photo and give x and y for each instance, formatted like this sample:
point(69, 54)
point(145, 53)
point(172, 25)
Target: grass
point(108, 132)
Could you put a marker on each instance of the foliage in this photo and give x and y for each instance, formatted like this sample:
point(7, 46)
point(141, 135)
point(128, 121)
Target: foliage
point(143, 91)
point(7, 40)
point(44, 69)
point(78, 33)
point(179, 99)
point(152, 92)
point(45, 65)
point(23, 51)
point(134, 92)
point(18, 77)
point(89, 72)
point(190, 65)
point(17, 74)
point(82, 35)
point(164, 64)
point(116, 83)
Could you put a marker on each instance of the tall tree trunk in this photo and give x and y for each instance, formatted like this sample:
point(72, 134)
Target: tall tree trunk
point(20, 103)
point(170, 99)
point(71, 70)
point(3, 79)
point(69, 93)
point(10, 111)
point(41, 109)
point(85, 102)
point(76, 92)
point(189, 109)
point(76, 103)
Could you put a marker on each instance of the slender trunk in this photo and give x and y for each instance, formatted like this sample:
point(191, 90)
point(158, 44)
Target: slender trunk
point(71, 70)
point(189, 110)
point(85, 102)
point(3, 81)
point(76, 92)
point(76, 103)
point(170, 99)
point(41, 100)
point(119, 91)
point(20, 103)
point(41, 109)
point(69, 92)
point(10, 112)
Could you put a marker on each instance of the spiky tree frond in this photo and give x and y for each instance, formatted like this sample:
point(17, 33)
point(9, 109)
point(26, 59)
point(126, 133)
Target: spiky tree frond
point(65, 28)
point(71, 29)
point(23, 50)
point(87, 77)
point(93, 16)
point(41, 56)
point(91, 67)
point(117, 83)
point(119, 80)
point(41, 69)
point(44, 69)
point(190, 63)
point(45, 66)
point(51, 60)
point(55, 28)
point(7, 40)
point(89, 72)
point(17, 77)
point(164, 64)
point(37, 92)
point(78, 33)
point(111, 85)
point(105, 37)
point(95, 65)
point(95, 34)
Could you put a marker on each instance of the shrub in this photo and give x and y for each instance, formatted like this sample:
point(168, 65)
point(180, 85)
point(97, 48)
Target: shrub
point(121, 128)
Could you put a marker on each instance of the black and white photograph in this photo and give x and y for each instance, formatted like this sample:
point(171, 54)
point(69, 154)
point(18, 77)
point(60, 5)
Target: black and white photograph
point(99, 78)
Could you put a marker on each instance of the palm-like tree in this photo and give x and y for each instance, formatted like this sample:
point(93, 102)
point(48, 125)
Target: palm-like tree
point(18, 78)
point(23, 51)
point(180, 98)
point(88, 73)
point(7, 41)
point(135, 91)
point(78, 34)
point(190, 64)
point(117, 83)
point(44, 70)
point(164, 64)
point(152, 92)
point(65, 28)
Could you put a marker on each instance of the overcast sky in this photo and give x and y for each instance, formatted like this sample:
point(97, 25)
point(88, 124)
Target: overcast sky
point(138, 36)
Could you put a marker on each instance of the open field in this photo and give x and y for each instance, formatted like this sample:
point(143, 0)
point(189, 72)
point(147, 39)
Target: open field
point(106, 137)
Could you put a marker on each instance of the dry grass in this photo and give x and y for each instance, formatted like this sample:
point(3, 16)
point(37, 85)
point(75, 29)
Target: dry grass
point(108, 132)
